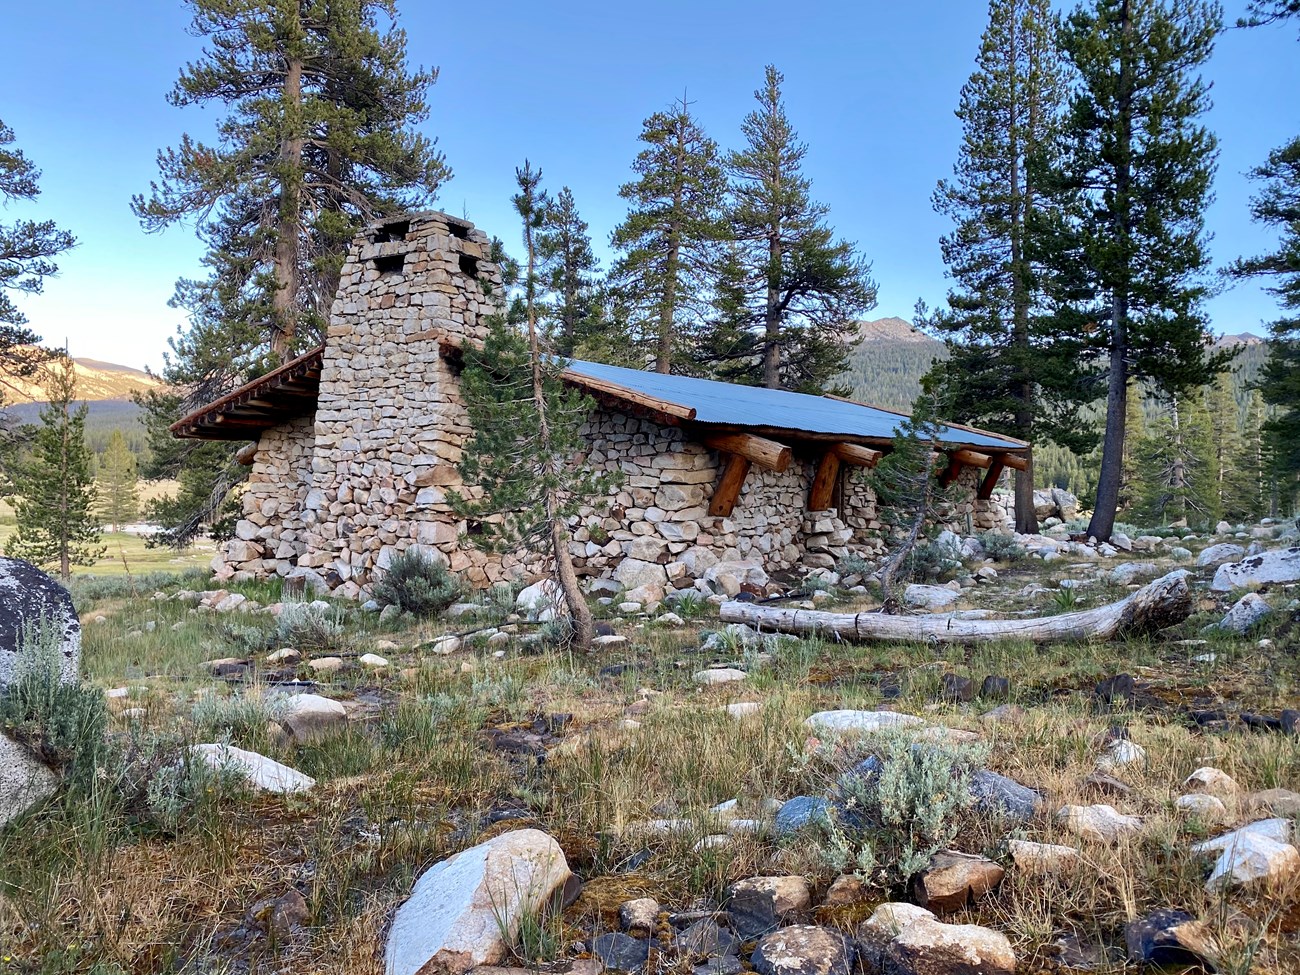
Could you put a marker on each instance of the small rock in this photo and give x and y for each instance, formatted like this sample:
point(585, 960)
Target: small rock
point(1218, 554)
point(846, 891)
point(953, 880)
point(23, 780)
point(719, 675)
point(1277, 802)
point(995, 688)
point(373, 661)
point(261, 773)
point(1255, 854)
point(996, 793)
point(929, 597)
point(958, 688)
point(309, 716)
point(1246, 613)
point(285, 655)
point(641, 914)
point(620, 951)
point(326, 665)
point(742, 709)
point(1211, 781)
point(1122, 752)
point(1201, 805)
point(860, 722)
point(1042, 858)
point(799, 812)
point(803, 949)
point(929, 947)
point(1101, 822)
point(760, 904)
point(1154, 940)
point(875, 934)
point(705, 937)
point(445, 645)
point(279, 916)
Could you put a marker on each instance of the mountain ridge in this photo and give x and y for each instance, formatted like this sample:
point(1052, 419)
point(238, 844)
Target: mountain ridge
point(97, 381)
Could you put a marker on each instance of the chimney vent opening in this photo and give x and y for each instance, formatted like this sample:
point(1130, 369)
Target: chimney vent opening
point(458, 230)
point(397, 230)
point(469, 265)
point(390, 263)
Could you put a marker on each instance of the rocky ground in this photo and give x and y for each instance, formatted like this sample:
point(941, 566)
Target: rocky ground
point(309, 786)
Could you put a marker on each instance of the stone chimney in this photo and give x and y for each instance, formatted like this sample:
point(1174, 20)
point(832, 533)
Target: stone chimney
point(389, 423)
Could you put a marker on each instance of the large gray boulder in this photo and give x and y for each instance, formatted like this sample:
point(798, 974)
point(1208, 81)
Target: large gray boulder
point(23, 780)
point(1278, 565)
point(29, 597)
point(1218, 554)
point(465, 911)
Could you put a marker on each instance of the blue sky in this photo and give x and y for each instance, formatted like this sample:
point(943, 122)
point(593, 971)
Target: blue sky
point(870, 85)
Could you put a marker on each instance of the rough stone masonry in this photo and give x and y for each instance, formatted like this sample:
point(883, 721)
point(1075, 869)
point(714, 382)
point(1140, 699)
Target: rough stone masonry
point(337, 495)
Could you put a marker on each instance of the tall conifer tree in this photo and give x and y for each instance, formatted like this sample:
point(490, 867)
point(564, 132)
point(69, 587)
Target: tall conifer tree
point(1129, 265)
point(1178, 481)
point(57, 525)
point(572, 275)
point(118, 483)
point(1009, 368)
point(27, 252)
point(791, 294)
point(318, 135)
point(666, 241)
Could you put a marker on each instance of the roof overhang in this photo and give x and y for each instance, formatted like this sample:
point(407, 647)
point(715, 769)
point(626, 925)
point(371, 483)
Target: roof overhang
point(281, 395)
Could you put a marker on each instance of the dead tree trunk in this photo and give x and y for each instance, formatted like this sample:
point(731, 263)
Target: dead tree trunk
point(1165, 602)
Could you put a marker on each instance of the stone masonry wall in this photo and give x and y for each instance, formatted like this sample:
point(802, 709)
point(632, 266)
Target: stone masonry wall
point(367, 478)
point(269, 537)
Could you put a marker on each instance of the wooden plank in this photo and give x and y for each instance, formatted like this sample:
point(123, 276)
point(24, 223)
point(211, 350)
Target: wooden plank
point(822, 492)
point(856, 455)
point(1016, 462)
point(727, 493)
point(667, 407)
point(767, 454)
point(990, 480)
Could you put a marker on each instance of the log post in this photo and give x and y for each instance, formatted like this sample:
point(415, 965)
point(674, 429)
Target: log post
point(857, 455)
point(952, 471)
point(990, 480)
point(765, 453)
point(822, 492)
point(727, 493)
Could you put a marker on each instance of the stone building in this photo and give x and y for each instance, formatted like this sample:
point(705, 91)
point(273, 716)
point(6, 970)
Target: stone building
point(355, 444)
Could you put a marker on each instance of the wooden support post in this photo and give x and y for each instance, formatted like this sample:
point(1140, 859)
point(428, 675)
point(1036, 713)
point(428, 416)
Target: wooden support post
point(246, 453)
point(990, 480)
point(822, 493)
point(727, 493)
point(972, 458)
point(1015, 462)
point(765, 453)
point(952, 471)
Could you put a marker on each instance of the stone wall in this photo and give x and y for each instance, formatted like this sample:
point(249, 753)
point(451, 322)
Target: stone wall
point(270, 535)
point(368, 477)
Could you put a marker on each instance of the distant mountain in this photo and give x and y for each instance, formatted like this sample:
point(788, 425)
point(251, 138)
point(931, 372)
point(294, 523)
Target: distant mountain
point(892, 330)
point(885, 369)
point(1241, 338)
point(96, 381)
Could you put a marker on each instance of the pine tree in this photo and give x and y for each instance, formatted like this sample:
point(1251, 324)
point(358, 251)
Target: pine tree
point(318, 136)
point(1225, 435)
point(118, 483)
point(527, 429)
point(1129, 266)
point(1178, 481)
point(572, 277)
point(55, 510)
point(27, 252)
point(666, 241)
point(1261, 12)
point(1249, 467)
point(1278, 205)
point(793, 292)
point(908, 493)
point(1009, 369)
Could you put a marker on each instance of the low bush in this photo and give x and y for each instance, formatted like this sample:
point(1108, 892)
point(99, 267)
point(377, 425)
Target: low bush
point(899, 807)
point(417, 584)
point(1001, 548)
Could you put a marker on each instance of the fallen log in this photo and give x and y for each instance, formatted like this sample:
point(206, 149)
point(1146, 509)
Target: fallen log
point(1165, 602)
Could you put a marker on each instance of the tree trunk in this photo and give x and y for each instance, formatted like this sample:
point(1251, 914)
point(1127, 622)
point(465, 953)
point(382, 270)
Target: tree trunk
point(1021, 201)
point(1112, 455)
point(1164, 603)
point(668, 306)
point(772, 315)
point(584, 628)
point(288, 230)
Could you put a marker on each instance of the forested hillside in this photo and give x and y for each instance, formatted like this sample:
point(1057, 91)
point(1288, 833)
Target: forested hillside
point(886, 369)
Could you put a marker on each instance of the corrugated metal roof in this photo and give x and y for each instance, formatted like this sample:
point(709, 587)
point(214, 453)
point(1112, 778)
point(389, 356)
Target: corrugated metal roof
point(754, 406)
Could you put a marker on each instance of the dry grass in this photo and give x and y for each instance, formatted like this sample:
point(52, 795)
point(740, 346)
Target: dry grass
point(101, 886)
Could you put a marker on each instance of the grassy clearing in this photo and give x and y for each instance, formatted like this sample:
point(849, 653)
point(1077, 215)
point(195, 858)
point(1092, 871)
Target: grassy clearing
point(153, 870)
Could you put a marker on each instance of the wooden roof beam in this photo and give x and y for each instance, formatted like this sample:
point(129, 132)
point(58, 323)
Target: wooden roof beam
point(767, 454)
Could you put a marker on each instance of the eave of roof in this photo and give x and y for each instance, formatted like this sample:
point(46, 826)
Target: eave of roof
point(284, 393)
point(291, 391)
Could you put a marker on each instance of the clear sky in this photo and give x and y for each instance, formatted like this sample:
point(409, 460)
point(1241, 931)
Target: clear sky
point(870, 85)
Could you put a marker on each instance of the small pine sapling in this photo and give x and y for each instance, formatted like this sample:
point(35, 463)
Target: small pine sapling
point(523, 456)
point(907, 491)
